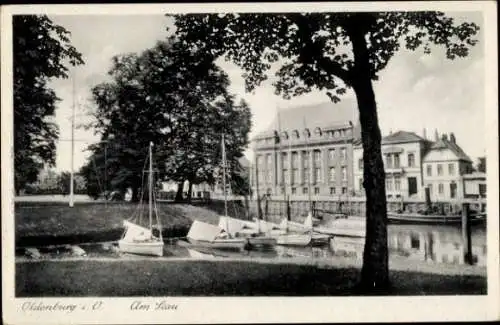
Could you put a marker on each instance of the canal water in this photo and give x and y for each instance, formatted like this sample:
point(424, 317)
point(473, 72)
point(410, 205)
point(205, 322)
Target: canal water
point(426, 243)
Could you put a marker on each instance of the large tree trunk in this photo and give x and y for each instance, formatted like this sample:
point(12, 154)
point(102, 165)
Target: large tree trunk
point(375, 271)
point(178, 195)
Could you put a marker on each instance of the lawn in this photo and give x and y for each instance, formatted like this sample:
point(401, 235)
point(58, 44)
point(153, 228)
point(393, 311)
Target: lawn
point(216, 278)
point(51, 222)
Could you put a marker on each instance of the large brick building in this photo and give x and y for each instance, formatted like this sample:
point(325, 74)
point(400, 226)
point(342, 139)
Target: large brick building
point(311, 147)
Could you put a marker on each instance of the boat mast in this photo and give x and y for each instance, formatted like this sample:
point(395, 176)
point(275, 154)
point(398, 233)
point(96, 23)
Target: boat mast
point(280, 154)
point(309, 156)
point(71, 179)
point(224, 181)
point(150, 176)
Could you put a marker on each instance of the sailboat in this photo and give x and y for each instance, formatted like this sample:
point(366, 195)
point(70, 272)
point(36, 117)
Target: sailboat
point(138, 239)
point(241, 228)
point(205, 234)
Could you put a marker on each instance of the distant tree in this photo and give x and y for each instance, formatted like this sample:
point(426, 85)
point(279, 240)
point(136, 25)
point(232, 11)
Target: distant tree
point(41, 51)
point(481, 165)
point(329, 52)
point(64, 181)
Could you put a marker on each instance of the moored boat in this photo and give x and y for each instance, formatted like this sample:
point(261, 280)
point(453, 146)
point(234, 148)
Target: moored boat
point(138, 239)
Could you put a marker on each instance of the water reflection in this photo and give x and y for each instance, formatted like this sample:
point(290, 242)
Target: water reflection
point(438, 244)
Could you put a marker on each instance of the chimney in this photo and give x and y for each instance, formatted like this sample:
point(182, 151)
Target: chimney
point(436, 135)
point(452, 138)
point(424, 134)
point(445, 137)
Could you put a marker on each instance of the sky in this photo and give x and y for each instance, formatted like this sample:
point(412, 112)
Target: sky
point(415, 91)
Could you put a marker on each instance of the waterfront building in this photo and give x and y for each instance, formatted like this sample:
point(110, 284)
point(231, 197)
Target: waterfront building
point(307, 150)
point(475, 185)
point(403, 154)
point(445, 166)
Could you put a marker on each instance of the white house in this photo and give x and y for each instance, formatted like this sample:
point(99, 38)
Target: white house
point(402, 153)
point(444, 168)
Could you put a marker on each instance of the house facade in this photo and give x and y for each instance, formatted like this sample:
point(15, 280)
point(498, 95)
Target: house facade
point(307, 150)
point(445, 166)
point(403, 154)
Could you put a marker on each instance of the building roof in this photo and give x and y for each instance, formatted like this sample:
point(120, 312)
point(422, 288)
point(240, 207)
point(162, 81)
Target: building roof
point(318, 115)
point(452, 146)
point(396, 137)
point(401, 137)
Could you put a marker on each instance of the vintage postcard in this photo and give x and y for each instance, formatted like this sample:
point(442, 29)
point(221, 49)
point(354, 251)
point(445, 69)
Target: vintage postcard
point(250, 162)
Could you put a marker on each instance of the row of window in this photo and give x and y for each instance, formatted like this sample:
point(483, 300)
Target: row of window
point(305, 190)
point(267, 175)
point(295, 134)
point(440, 189)
point(332, 154)
point(440, 169)
point(392, 160)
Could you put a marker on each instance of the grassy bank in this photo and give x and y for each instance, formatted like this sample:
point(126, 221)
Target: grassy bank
point(53, 223)
point(209, 278)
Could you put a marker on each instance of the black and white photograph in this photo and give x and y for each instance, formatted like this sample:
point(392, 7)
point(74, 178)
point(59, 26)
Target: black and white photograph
point(297, 159)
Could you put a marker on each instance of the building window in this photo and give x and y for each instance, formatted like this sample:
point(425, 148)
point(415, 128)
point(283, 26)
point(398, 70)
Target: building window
point(316, 190)
point(332, 190)
point(360, 164)
point(429, 170)
point(294, 190)
point(411, 160)
point(430, 189)
point(269, 176)
point(305, 158)
point(317, 157)
point(343, 153)
point(295, 159)
point(388, 161)
point(344, 173)
point(453, 190)
point(360, 184)
point(259, 160)
point(440, 188)
point(295, 176)
point(344, 190)
point(317, 175)
point(331, 154)
point(304, 190)
point(439, 169)
point(451, 169)
point(332, 174)
point(397, 183)
point(388, 184)
point(306, 175)
point(396, 160)
point(317, 131)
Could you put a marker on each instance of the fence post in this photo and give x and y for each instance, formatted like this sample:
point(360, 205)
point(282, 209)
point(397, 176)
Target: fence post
point(466, 234)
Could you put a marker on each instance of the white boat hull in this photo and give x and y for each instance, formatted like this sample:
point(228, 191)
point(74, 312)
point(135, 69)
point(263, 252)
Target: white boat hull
point(261, 241)
point(151, 248)
point(294, 240)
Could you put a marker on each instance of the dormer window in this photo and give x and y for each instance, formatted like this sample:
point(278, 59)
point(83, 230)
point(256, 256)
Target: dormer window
point(336, 134)
point(307, 134)
point(284, 135)
point(295, 134)
point(317, 131)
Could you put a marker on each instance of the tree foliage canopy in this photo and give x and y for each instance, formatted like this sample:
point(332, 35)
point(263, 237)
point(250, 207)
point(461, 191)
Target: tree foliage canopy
point(175, 97)
point(41, 51)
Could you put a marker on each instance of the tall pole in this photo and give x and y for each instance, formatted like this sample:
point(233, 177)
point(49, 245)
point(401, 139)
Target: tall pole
point(71, 180)
point(280, 154)
point(150, 176)
point(309, 156)
point(106, 174)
